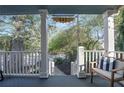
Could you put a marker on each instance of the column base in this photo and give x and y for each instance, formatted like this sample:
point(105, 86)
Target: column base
point(44, 75)
point(81, 74)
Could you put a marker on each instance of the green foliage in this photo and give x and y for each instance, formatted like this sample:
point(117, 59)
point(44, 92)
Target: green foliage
point(58, 60)
point(22, 26)
point(28, 28)
point(57, 43)
point(5, 43)
point(71, 54)
point(67, 41)
point(119, 28)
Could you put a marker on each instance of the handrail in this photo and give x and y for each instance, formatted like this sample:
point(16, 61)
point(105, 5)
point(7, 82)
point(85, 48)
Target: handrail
point(21, 51)
point(94, 51)
point(103, 51)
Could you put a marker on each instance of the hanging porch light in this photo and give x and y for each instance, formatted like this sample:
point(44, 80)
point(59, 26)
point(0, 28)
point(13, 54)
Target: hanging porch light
point(63, 18)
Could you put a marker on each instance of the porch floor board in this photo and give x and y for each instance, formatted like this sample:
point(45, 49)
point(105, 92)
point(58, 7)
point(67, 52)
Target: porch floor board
point(54, 81)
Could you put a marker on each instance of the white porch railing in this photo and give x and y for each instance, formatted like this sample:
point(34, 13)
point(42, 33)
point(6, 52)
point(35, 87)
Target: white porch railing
point(20, 63)
point(93, 55)
point(119, 55)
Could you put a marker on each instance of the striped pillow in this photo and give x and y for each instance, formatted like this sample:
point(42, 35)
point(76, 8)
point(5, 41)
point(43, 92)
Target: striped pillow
point(107, 63)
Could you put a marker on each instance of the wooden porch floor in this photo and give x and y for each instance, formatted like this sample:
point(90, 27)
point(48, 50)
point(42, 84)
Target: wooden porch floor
point(54, 81)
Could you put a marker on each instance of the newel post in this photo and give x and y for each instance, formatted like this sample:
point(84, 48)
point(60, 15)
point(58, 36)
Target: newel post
point(80, 63)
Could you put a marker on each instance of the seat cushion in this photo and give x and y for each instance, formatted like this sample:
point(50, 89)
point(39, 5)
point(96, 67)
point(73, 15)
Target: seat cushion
point(107, 73)
point(121, 82)
point(120, 64)
point(107, 63)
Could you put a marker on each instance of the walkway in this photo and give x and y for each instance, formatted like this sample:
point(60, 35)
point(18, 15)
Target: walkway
point(58, 72)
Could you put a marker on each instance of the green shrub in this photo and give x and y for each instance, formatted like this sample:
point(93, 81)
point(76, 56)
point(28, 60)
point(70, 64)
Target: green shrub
point(58, 60)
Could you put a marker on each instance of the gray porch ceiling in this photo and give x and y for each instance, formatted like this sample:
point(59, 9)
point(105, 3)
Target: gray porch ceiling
point(55, 9)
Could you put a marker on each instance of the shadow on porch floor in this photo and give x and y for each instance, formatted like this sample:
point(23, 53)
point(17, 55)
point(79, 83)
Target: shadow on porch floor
point(53, 81)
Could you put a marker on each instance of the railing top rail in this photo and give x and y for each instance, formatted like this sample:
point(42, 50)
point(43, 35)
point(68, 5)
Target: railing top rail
point(94, 51)
point(103, 51)
point(117, 51)
point(21, 51)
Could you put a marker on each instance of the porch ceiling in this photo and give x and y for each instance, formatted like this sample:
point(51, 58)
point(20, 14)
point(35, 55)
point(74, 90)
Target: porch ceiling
point(55, 9)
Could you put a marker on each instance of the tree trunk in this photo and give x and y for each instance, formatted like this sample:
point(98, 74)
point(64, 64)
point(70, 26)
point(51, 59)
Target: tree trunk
point(17, 57)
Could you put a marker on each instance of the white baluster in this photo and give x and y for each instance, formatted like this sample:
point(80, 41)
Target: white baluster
point(93, 55)
point(25, 62)
point(86, 60)
point(16, 62)
point(89, 60)
point(32, 62)
point(10, 68)
point(35, 63)
point(23, 55)
point(4, 61)
point(0, 61)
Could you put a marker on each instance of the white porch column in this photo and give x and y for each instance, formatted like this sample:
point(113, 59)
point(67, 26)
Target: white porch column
point(44, 67)
point(109, 44)
point(80, 63)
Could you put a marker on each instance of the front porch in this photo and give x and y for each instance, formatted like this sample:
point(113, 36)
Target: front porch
point(54, 81)
point(28, 74)
point(33, 69)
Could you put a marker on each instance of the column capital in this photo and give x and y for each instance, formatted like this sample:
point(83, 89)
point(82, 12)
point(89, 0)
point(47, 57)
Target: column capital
point(110, 13)
point(41, 11)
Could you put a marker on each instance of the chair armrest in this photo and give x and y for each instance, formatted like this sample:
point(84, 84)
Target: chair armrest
point(113, 74)
point(93, 64)
point(118, 69)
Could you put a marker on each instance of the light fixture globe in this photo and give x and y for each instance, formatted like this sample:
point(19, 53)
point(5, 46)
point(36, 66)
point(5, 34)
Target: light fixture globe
point(63, 18)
